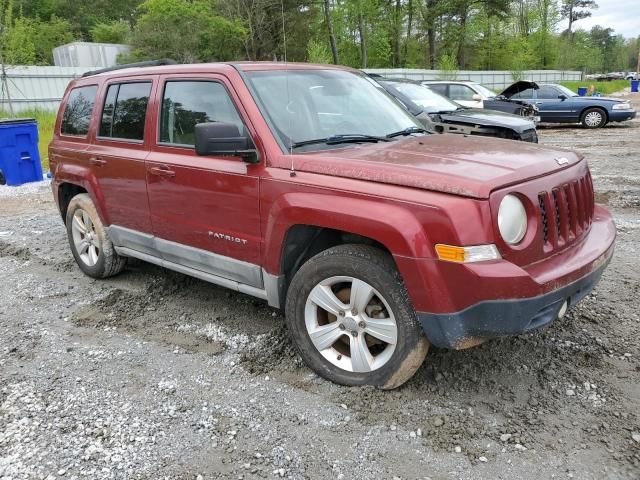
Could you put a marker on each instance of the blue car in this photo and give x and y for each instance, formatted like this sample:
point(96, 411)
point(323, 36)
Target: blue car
point(558, 104)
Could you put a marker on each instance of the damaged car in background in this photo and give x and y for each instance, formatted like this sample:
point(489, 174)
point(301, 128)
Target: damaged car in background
point(474, 95)
point(441, 115)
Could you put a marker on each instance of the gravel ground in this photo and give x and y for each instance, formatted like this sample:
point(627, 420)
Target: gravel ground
point(156, 375)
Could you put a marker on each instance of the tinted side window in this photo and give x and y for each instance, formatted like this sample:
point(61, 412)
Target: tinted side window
point(460, 92)
point(125, 109)
point(439, 88)
point(77, 113)
point(528, 93)
point(547, 92)
point(187, 103)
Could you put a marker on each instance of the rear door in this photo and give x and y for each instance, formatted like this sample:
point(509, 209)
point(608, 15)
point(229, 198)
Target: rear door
point(204, 210)
point(117, 155)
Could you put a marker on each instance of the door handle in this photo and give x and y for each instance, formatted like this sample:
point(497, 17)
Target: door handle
point(97, 161)
point(162, 171)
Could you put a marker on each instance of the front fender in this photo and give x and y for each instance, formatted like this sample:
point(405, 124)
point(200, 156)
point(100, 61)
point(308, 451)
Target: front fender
point(403, 235)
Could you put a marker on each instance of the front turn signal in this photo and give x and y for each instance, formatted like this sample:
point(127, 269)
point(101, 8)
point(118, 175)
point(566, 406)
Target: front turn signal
point(475, 253)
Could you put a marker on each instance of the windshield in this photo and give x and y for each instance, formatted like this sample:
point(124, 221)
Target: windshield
point(566, 91)
point(424, 97)
point(304, 105)
point(484, 91)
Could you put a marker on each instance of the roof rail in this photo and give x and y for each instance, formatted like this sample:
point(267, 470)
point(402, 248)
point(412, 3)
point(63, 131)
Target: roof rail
point(149, 63)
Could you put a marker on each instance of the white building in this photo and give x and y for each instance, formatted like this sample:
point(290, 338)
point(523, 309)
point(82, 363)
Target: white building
point(88, 54)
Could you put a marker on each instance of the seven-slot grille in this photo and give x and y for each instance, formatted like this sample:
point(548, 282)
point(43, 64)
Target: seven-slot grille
point(566, 212)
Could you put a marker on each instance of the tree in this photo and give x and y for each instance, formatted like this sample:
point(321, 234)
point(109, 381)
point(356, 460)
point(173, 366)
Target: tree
point(116, 31)
point(187, 31)
point(576, 10)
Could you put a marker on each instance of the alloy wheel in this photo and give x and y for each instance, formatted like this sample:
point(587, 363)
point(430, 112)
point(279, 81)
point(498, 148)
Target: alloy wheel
point(593, 119)
point(85, 239)
point(351, 324)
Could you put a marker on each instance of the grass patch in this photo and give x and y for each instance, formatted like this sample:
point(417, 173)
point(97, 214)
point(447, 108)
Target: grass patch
point(46, 122)
point(605, 88)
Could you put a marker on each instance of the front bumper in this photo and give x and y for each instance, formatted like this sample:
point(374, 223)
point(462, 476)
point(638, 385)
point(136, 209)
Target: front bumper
point(537, 296)
point(621, 115)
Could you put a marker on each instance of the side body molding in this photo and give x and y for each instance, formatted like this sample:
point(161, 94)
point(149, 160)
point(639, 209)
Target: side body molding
point(211, 267)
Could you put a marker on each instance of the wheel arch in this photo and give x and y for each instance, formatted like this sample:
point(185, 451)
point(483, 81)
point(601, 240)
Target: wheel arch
point(291, 238)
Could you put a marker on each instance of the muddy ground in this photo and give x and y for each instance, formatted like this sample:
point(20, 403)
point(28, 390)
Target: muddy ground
point(156, 375)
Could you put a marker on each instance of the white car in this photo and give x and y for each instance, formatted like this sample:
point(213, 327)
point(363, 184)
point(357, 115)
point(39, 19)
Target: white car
point(467, 93)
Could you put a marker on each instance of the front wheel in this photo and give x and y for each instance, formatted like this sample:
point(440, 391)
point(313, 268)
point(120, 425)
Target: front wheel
point(594, 118)
point(351, 318)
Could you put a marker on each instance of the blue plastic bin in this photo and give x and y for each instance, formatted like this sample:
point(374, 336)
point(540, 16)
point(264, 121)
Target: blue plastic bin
point(19, 156)
point(582, 91)
point(634, 85)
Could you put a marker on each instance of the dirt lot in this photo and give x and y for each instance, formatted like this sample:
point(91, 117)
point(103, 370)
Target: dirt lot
point(156, 375)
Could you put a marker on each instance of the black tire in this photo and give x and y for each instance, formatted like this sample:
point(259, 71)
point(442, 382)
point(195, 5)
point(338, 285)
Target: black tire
point(594, 113)
point(377, 269)
point(109, 263)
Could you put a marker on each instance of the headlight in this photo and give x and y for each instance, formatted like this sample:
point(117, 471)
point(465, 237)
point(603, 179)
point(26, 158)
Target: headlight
point(621, 106)
point(512, 219)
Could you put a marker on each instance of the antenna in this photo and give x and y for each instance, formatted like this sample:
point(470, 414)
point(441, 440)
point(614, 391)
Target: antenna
point(292, 173)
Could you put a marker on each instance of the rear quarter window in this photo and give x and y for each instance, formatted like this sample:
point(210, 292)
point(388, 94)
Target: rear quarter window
point(77, 112)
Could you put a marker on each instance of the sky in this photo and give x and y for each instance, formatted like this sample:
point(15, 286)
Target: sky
point(621, 15)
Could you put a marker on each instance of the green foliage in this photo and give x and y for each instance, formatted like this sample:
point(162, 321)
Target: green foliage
point(49, 34)
point(318, 52)
point(18, 46)
point(113, 32)
point(186, 31)
point(605, 88)
point(448, 67)
point(512, 35)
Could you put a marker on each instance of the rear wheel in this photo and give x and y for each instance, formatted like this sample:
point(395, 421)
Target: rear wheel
point(90, 245)
point(594, 118)
point(351, 318)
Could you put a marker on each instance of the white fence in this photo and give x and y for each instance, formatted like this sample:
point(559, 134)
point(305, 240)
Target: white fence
point(30, 87)
point(491, 79)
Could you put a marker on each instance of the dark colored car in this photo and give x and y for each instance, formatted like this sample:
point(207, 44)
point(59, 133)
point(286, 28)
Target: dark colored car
point(441, 115)
point(310, 188)
point(558, 104)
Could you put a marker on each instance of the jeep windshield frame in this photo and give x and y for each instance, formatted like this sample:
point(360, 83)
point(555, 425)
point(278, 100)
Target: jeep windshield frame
point(300, 105)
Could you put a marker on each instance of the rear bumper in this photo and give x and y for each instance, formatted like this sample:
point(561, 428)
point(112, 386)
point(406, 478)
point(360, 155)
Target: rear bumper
point(622, 115)
point(507, 299)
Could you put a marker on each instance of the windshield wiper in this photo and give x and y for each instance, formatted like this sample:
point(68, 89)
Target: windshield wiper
point(336, 139)
point(407, 131)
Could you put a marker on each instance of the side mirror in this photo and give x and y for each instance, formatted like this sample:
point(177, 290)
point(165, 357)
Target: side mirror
point(218, 138)
point(477, 97)
point(562, 97)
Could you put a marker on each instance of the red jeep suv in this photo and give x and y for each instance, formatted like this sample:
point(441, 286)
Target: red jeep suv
point(309, 187)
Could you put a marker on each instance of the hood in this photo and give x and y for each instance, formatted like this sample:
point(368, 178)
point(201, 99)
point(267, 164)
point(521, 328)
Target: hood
point(488, 118)
point(467, 166)
point(518, 87)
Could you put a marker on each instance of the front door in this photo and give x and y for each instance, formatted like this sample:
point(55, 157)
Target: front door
point(552, 107)
point(204, 210)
